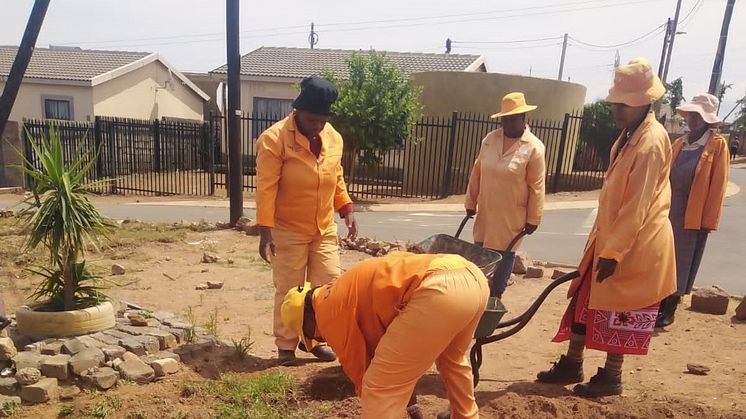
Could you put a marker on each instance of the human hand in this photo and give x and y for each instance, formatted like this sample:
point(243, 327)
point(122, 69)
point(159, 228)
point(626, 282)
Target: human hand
point(266, 242)
point(351, 224)
point(530, 228)
point(605, 269)
point(470, 212)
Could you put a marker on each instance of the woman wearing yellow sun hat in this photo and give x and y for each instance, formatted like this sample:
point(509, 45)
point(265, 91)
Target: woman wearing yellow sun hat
point(506, 186)
point(389, 319)
point(629, 263)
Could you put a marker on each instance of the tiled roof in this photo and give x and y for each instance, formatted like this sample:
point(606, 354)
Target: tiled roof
point(68, 63)
point(303, 62)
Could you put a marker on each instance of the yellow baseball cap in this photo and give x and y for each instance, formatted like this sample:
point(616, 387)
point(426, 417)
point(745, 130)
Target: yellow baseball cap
point(292, 311)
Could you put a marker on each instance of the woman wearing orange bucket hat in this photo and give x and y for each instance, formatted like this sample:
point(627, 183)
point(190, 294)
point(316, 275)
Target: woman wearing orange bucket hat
point(629, 264)
point(506, 185)
point(699, 177)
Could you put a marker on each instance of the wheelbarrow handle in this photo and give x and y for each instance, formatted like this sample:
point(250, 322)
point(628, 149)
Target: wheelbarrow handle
point(515, 240)
point(462, 225)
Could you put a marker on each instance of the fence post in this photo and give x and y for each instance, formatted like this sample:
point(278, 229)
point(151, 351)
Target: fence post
point(97, 145)
point(449, 156)
point(113, 156)
point(561, 154)
point(211, 153)
point(157, 145)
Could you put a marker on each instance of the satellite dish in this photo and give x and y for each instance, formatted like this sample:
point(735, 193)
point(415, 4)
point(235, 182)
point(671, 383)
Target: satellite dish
point(220, 97)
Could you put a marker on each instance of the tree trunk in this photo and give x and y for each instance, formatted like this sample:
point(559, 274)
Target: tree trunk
point(70, 285)
point(352, 166)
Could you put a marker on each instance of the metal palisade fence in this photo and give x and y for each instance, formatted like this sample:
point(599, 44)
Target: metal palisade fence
point(165, 157)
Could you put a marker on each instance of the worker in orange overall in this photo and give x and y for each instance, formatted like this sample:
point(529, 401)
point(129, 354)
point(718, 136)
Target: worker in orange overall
point(506, 185)
point(629, 263)
point(389, 319)
point(300, 185)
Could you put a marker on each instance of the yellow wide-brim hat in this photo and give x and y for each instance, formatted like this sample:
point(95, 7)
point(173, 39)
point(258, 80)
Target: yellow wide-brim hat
point(292, 311)
point(514, 104)
point(635, 84)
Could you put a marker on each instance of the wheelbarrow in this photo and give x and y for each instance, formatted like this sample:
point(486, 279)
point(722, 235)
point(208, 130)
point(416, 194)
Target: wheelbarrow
point(492, 263)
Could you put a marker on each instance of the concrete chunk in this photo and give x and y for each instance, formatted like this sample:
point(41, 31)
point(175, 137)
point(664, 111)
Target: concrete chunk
point(150, 343)
point(7, 349)
point(132, 345)
point(41, 392)
point(52, 348)
point(56, 367)
point(137, 371)
point(102, 378)
point(710, 301)
point(166, 340)
point(87, 358)
point(113, 352)
point(105, 339)
point(28, 376)
point(28, 359)
point(9, 386)
point(163, 367)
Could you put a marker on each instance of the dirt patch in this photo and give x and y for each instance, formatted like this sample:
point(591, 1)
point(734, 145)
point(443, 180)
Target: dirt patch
point(656, 386)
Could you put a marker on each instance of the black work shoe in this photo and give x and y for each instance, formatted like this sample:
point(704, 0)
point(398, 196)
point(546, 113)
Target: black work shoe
point(667, 311)
point(324, 353)
point(286, 358)
point(602, 384)
point(564, 371)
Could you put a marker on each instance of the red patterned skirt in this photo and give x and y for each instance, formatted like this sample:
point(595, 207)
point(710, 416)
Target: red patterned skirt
point(621, 332)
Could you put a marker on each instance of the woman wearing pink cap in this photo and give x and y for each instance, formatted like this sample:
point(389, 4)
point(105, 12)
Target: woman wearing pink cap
point(699, 176)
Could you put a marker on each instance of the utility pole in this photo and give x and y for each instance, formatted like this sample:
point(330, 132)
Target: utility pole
point(562, 59)
point(717, 66)
point(313, 37)
point(235, 159)
point(20, 63)
point(672, 37)
point(664, 50)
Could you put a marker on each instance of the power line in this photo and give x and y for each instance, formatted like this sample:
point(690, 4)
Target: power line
point(515, 41)
point(361, 25)
point(509, 48)
point(691, 13)
point(623, 44)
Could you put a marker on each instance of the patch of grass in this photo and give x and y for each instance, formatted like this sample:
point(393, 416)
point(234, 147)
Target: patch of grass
point(243, 345)
point(267, 396)
point(211, 326)
point(134, 234)
point(180, 415)
point(109, 404)
point(137, 414)
point(8, 409)
point(65, 411)
point(191, 333)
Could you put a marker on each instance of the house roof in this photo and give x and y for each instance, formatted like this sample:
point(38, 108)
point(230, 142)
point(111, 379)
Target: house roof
point(79, 65)
point(303, 62)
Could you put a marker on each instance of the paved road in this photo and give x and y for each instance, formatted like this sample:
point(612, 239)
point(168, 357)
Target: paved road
point(561, 237)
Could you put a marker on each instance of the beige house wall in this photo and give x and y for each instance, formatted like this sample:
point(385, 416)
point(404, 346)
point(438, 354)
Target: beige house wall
point(150, 92)
point(270, 88)
point(29, 103)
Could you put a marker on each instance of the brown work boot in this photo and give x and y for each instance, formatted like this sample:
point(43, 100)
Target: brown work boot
point(602, 384)
point(564, 371)
point(286, 358)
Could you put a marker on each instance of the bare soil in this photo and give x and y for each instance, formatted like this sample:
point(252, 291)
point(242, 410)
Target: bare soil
point(163, 268)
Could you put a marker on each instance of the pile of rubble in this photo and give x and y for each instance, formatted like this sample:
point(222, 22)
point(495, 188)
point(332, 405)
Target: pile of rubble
point(377, 247)
point(141, 348)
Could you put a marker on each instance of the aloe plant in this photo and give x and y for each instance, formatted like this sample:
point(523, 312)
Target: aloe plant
point(59, 216)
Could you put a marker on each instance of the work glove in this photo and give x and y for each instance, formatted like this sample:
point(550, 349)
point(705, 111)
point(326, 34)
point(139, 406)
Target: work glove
point(530, 228)
point(470, 213)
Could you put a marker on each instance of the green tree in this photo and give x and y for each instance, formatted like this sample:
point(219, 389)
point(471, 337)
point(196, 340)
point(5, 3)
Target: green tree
point(377, 108)
point(598, 129)
point(674, 94)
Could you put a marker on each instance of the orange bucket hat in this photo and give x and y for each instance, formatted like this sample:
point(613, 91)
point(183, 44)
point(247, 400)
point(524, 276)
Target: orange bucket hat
point(635, 84)
point(513, 104)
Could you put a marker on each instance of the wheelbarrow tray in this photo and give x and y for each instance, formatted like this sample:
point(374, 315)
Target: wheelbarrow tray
point(486, 259)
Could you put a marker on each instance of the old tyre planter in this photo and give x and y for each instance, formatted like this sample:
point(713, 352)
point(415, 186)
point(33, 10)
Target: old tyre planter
point(65, 323)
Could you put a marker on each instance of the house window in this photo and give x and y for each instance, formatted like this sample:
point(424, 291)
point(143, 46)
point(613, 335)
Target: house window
point(58, 108)
point(267, 111)
point(272, 108)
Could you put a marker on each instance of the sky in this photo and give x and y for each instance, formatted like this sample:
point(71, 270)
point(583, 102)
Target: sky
point(190, 34)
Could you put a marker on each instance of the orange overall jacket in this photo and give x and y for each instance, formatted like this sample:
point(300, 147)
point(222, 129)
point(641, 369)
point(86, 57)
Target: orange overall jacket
point(353, 312)
point(705, 203)
point(632, 225)
point(295, 190)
